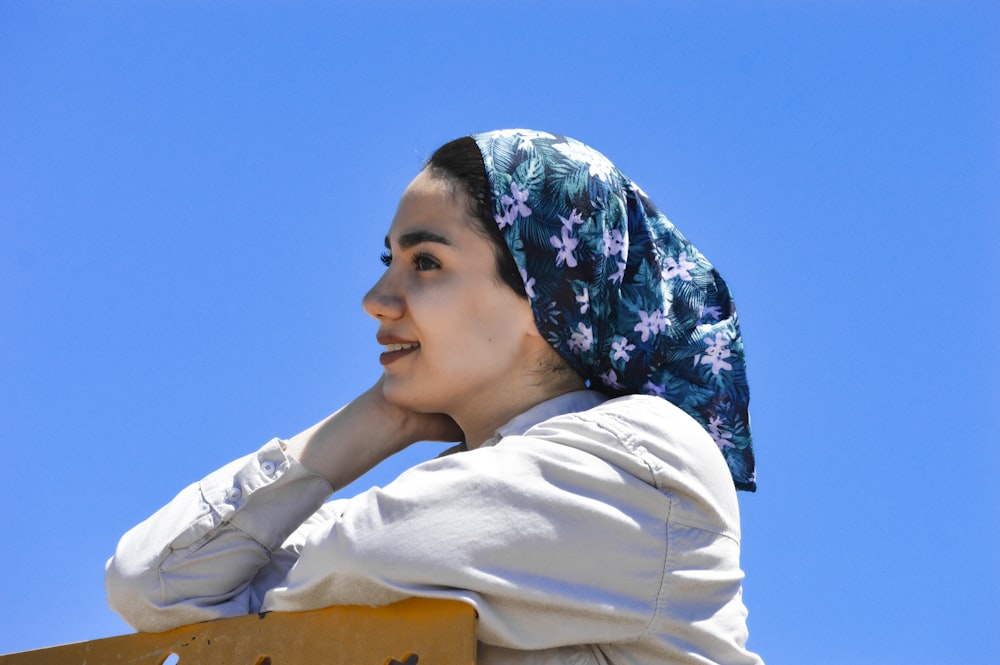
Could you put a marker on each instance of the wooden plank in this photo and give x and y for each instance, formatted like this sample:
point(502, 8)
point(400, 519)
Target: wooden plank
point(416, 631)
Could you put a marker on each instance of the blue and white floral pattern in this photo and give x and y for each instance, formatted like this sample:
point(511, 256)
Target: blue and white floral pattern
point(616, 289)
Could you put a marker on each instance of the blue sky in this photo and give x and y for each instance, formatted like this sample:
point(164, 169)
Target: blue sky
point(193, 197)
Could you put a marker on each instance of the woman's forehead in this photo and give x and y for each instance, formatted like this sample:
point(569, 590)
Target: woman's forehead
point(430, 210)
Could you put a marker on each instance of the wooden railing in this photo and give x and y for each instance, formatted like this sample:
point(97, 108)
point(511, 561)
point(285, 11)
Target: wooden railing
point(411, 632)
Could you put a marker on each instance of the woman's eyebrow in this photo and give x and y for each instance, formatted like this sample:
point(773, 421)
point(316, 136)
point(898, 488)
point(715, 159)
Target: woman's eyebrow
point(413, 238)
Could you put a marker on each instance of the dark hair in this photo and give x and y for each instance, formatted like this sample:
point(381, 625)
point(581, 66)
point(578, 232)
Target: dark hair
point(460, 163)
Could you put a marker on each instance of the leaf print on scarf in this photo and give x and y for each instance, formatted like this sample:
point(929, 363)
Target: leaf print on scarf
point(598, 164)
point(619, 274)
point(722, 439)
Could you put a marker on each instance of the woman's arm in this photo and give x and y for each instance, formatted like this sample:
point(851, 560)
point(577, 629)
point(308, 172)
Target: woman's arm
point(197, 557)
point(221, 543)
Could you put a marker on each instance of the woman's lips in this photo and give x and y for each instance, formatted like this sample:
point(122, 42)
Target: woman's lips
point(394, 352)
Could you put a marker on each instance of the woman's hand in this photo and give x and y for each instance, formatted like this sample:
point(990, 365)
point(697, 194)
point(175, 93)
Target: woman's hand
point(366, 431)
point(413, 426)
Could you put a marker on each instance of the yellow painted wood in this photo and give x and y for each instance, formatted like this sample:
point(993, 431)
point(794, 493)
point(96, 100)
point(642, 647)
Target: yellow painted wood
point(411, 632)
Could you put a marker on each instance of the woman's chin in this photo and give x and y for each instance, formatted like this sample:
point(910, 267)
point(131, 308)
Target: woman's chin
point(402, 393)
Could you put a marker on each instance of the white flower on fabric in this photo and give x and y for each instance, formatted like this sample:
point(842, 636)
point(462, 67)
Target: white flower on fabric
point(515, 201)
point(722, 439)
point(613, 242)
point(582, 340)
point(526, 135)
point(710, 310)
point(619, 274)
point(653, 389)
point(510, 133)
point(610, 379)
point(678, 268)
point(716, 353)
point(599, 165)
point(621, 349)
point(506, 219)
point(584, 300)
point(525, 143)
point(529, 283)
point(513, 206)
point(566, 245)
point(651, 323)
point(520, 196)
point(574, 218)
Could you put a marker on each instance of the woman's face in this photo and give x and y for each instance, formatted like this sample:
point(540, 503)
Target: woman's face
point(456, 339)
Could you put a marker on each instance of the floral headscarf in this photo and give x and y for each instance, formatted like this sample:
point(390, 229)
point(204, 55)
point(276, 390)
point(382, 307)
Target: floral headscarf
point(616, 289)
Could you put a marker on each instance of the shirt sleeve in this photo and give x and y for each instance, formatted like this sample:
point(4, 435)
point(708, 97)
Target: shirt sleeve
point(218, 545)
point(551, 545)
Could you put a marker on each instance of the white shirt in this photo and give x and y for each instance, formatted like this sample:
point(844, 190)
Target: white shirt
point(586, 531)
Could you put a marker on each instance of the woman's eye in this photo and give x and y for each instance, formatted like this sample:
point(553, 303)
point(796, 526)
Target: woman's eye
point(425, 262)
point(385, 258)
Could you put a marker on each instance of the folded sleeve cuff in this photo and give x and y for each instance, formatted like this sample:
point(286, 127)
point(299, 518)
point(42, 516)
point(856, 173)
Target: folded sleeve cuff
point(266, 494)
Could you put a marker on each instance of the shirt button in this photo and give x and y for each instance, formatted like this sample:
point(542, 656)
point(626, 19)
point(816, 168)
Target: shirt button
point(233, 494)
point(268, 467)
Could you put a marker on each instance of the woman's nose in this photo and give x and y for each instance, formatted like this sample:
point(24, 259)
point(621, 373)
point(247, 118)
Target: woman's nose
point(383, 301)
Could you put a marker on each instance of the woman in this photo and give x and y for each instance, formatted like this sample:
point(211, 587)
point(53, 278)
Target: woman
point(537, 307)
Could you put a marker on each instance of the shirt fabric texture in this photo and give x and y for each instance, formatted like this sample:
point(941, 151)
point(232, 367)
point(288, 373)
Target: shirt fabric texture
point(588, 530)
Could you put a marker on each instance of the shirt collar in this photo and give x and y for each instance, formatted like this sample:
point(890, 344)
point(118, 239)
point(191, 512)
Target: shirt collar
point(579, 400)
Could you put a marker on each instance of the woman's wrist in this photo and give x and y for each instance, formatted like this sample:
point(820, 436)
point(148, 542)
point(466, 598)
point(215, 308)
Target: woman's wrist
point(352, 440)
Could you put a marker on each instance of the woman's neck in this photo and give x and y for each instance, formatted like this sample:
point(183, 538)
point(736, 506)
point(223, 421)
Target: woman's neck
point(481, 419)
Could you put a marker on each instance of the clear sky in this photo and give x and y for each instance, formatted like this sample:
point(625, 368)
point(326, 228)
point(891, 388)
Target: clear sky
point(193, 197)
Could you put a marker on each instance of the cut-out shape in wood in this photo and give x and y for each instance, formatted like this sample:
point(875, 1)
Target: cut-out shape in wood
point(408, 659)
